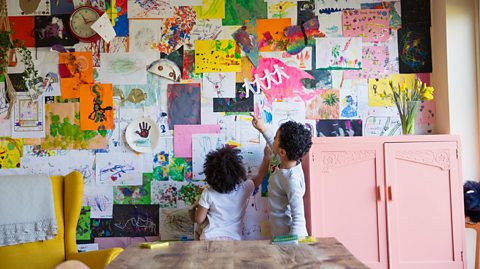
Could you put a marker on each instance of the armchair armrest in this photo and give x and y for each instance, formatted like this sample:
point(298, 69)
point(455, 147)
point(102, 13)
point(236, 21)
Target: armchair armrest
point(98, 259)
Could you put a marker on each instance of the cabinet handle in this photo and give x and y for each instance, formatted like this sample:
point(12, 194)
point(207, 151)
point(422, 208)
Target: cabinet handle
point(390, 193)
point(380, 193)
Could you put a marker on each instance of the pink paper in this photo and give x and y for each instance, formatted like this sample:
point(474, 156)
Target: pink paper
point(372, 25)
point(375, 60)
point(182, 138)
point(122, 242)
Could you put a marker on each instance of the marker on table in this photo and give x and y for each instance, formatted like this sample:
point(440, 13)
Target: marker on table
point(156, 244)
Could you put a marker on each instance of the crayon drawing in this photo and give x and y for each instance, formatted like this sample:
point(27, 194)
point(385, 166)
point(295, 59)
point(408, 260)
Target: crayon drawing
point(100, 201)
point(135, 220)
point(119, 169)
point(370, 24)
point(143, 9)
point(175, 224)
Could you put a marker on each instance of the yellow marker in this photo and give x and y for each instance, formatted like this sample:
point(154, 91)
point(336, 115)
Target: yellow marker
point(307, 239)
point(154, 244)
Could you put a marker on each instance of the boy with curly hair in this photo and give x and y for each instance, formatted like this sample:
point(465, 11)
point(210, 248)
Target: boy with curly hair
point(286, 185)
point(224, 203)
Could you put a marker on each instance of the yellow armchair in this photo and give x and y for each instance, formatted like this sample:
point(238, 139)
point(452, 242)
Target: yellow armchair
point(67, 197)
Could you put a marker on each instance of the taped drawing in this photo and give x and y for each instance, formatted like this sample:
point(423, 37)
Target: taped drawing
point(28, 118)
point(370, 24)
point(122, 68)
point(220, 85)
point(339, 53)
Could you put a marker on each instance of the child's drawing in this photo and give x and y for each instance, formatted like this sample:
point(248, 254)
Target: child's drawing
point(189, 194)
point(188, 72)
point(142, 9)
point(75, 68)
point(52, 30)
point(241, 102)
point(176, 30)
point(220, 85)
point(123, 68)
point(135, 220)
point(28, 117)
point(204, 29)
point(283, 9)
point(339, 128)
point(96, 107)
point(326, 105)
point(11, 150)
point(370, 24)
point(353, 99)
point(134, 194)
point(331, 24)
point(217, 56)
point(302, 60)
point(102, 227)
point(287, 111)
point(143, 34)
point(164, 193)
point(202, 144)
point(175, 224)
point(119, 169)
point(100, 201)
point(382, 126)
point(392, 7)
point(414, 50)
point(375, 60)
point(83, 226)
point(339, 53)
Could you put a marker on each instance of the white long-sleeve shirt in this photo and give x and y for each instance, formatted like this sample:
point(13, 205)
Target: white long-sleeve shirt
point(286, 188)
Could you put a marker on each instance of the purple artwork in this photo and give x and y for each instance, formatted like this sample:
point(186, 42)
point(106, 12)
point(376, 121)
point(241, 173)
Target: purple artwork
point(183, 104)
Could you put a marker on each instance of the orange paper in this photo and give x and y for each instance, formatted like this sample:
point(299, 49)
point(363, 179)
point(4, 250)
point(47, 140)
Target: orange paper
point(96, 107)
point(270, 34)
point(75, 68)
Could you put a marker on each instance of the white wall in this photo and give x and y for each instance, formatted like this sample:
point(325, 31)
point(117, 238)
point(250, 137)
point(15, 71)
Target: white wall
point(457, 103)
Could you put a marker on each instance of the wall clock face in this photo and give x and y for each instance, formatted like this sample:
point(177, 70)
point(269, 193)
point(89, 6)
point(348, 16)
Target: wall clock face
point(81, 20)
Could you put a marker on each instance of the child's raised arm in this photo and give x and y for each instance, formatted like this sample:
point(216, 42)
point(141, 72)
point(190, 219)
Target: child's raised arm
point(262, 172)
point(258, 123)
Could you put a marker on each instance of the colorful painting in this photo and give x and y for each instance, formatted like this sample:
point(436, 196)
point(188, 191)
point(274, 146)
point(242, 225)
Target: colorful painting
point(353, 99)
point(175, 224)
point(135, 220)
point(53, 30)
point(213, 9)
point(282, 9)
point(299, 36)
point(188, 72)
point(339, 53)
point(117, 13)
point(140, 95)
point(241, 103)
point(28, 119)
point(217, 56)
point(339, 128)
point(322, 79)
point(100, 201)
point(11, 151)
point(62, 124)
point(270, 34)
point(375, 60)
point(119, 169)
point(96, 107)
point(183, 104)
point(237, 11)
point(122, 68)
point(189, 194)
point(246, 38)
point(219, 85)
point(133, 195)
point(393, 8)
point(101, 227)
point(414, 50)
point(372, 25)
point(83, 224)
point(202, 144)
point(326, 105)
point(143, 9)
point(75, 68)
point(379, 91)
point(164, 193)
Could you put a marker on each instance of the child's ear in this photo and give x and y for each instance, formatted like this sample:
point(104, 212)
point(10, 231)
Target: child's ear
point(282, 152)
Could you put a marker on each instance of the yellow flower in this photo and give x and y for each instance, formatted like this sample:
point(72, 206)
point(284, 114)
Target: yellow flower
point(428, 96)
point(403, 87)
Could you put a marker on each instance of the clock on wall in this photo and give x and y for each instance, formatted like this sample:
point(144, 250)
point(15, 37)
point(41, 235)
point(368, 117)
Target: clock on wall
point(81, 20)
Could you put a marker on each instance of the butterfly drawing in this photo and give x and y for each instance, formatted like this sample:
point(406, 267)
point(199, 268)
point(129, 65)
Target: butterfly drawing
point(299, 36)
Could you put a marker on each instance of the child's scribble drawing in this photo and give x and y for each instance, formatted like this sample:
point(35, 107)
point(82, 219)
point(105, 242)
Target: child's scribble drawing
point(175, 224)
point(100, 201)
point(136, 220)
point(118, 169)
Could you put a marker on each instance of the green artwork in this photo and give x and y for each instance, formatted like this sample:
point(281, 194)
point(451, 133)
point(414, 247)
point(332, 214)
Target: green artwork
point(190, 193)
point(237, 11)
point(131, 195)
point(176, 169)
point(83, 225)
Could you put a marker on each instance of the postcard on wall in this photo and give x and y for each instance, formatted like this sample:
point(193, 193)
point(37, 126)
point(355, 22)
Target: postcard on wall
point(135, 220)
point(100, 201)
point(28, 8)
point(175, 224)
point(202, 144)
point(373, 25)
point(123, 68)
point(149, 9)
point(119, 169)
point(339, 53)
point(53, 30)
point(217, 56)
point(96, 107)
point(28, 118)
point(220, 85)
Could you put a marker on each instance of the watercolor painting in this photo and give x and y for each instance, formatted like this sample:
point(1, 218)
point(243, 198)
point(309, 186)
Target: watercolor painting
point(122, 68)
point(52, 30)
point(354, 99)
point(241, 103)
point(213, 9)
point(138, 195)
point(217, 56)
point(414, 50)
point(11, 151)
point(300, 36)
point(339, 128)
point(339, 53)
point(326, 105)
point(96, 107)
point(322, 79)
point(219, 85)
point(139, 95)
point(237, 11)
point(148, 9)
point(135, 220)
point(62, 124)
point(100, 201)
point(190, 193)
point(202, 144)
point(175, 224)
point(370, 24)
point(119, 169)
point(183, 104)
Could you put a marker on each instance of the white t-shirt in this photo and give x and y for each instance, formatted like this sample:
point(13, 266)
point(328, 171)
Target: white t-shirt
point(226, 211)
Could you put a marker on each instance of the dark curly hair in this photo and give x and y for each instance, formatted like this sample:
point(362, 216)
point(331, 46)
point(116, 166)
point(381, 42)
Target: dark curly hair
point(224, 169)
point(295, 139)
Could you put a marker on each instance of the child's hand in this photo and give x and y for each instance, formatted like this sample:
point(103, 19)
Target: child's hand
point(267, 152)
point(258, 123)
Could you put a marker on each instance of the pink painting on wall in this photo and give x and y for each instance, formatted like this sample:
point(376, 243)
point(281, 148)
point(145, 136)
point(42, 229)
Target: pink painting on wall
point(370, 24)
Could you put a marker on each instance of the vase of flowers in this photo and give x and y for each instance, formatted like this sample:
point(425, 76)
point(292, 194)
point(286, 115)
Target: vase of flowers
point(407, 100)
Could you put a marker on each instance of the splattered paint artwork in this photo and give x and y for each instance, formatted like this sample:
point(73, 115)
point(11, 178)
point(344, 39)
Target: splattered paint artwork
point(326, 105)
point(370, 24)
point(188, 72)
point(164, 193)
point(241, 103)
point(135, 220)
point(11, 150)
point(190, 193)
point(339, 53)
point(62, 124)
point(142, 9)
point(339, 128)
point(96, 107)
point(217, 56)
point(175, 224)
point(414, 50)
point(183, 104)
point(119, 169)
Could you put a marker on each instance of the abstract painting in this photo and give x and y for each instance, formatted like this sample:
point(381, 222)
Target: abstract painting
point(270, 34)
point(326, 105)
point(164, 193)
point(414, 50)
point(175, 31)
point(183, 104)
point(139, 195)
point(237, 11)
point(241, 103)
point(11, 151)
point(339, 128)
point(75, 68)
point(83, 225)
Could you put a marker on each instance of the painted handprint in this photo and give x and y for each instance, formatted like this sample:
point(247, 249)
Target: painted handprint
point(144, 129)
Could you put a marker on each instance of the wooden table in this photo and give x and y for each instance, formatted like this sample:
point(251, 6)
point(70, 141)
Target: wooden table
point(325, 253)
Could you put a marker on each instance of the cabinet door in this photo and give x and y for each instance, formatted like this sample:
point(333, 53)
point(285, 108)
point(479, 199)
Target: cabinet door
point(347, 198)
point(424, 205)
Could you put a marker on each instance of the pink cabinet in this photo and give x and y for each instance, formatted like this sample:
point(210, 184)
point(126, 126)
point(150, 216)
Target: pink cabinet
point(394, 202)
